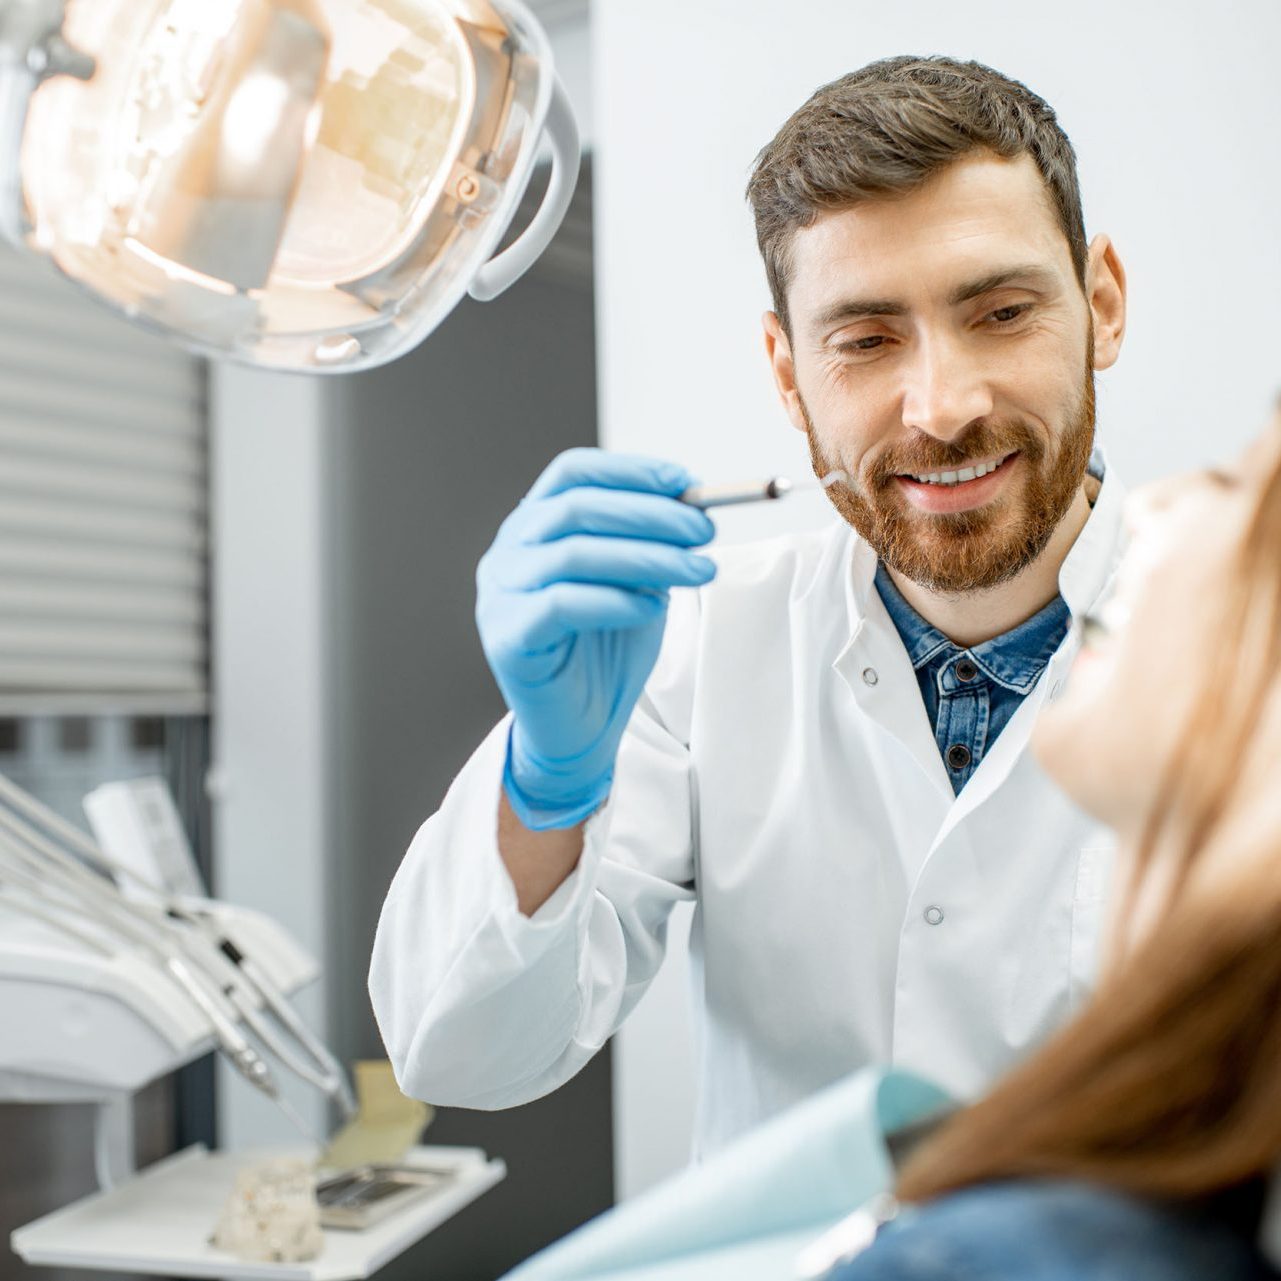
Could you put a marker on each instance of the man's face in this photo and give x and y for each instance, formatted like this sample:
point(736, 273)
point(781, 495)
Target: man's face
point(939, 332)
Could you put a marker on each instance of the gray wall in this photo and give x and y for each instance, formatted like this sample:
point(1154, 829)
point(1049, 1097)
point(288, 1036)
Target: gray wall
point(429, 455)
point(46, 1162)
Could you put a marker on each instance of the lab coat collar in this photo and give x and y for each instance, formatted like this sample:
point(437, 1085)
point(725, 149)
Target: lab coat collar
point(860, 582)
point(1092, 560)
point(1013, 660)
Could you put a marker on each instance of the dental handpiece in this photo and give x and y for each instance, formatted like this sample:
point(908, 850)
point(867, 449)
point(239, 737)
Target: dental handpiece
point(330, 1078)
point(73, 887)
point(752, 491)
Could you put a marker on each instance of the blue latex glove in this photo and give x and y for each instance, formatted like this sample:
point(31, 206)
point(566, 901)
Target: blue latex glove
point(571, 603)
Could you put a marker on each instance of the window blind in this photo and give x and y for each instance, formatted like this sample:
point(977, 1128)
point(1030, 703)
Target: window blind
point(103, 507)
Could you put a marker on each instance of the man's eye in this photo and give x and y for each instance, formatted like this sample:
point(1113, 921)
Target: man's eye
point(1008, 315)
point(870, 343)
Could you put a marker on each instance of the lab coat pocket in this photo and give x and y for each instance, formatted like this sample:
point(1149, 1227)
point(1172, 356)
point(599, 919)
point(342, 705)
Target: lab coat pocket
point(1089, 902)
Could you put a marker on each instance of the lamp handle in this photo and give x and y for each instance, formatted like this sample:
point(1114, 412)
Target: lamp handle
point(503, 271)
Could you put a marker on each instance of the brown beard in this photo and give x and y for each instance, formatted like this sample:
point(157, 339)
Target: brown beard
point(973, 550)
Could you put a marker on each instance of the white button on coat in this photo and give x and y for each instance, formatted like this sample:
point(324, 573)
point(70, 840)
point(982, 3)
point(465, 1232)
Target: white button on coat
point(812, 819)
point(934, 915)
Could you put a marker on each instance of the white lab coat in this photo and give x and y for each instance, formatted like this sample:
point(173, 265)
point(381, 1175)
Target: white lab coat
point(780, 771)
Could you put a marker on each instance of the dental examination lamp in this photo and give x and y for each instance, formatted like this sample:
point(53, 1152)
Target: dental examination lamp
point(307, 185)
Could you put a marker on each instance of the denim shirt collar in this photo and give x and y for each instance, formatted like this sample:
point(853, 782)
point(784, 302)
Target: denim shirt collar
point(1014, 659)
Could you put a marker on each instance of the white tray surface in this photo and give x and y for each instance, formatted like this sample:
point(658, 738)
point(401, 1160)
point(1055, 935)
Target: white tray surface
point(159, 1222)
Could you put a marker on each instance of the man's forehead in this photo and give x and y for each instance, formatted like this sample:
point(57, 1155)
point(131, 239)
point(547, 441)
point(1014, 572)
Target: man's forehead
point(982, 214)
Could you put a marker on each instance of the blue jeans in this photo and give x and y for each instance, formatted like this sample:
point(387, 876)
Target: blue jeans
point(1056, 1231)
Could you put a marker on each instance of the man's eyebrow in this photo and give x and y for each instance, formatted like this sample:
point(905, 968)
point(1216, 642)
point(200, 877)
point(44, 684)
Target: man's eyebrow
point(859, 309)
point(1029, 274)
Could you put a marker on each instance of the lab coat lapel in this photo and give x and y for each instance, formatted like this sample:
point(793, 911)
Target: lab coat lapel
point(1001, 758)
point(876, 670)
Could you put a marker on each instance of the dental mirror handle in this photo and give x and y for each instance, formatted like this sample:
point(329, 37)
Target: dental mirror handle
point(752, 491)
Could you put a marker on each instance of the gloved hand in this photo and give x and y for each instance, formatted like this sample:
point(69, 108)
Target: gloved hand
point(571, 603)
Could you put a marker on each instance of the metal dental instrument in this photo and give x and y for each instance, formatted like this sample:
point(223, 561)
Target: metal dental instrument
point(56, 897)
point(327, 1075)
point(753, 491)
point(705, 496)
point(216, 975)
point(68, 888)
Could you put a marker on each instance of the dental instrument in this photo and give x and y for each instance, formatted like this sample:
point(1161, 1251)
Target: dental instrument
point(27, 860)
point(327, 1075)
point(186, 942)
point(705, 496)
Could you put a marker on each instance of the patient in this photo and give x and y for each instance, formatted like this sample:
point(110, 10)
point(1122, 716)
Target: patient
point(1139, 1143)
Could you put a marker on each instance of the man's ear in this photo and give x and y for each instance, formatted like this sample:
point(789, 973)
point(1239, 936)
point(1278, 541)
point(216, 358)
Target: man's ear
point(778, 350)
point(1105, 293)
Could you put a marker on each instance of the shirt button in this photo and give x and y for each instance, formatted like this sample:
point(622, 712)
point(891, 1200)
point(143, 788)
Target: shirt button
point(958, 756)
point(869, 676)
point(966, 669)
point(934, 915)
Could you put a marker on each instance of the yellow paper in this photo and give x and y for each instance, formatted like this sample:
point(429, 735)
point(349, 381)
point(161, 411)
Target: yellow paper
point(386, 1124)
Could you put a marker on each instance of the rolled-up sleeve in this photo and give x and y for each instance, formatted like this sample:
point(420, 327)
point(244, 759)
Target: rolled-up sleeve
point(480, 1006)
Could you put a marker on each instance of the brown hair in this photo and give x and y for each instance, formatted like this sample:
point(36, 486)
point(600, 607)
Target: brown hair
point(1169, 1082)
point(883, 130)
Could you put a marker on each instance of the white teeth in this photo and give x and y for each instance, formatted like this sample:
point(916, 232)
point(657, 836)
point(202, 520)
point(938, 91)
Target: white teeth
point(956, 477)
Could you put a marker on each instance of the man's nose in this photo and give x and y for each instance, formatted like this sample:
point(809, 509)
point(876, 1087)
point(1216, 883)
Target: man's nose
point(945, 390)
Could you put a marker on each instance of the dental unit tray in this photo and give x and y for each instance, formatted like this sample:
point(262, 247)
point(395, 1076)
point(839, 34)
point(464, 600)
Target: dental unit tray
point(158, 1223)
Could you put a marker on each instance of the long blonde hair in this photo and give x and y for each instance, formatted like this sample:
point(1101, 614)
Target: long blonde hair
point(1169, 1082)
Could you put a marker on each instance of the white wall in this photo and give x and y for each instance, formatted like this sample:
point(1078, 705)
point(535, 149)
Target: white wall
point(1174, 112)
point(270, 777)
point(568, 24)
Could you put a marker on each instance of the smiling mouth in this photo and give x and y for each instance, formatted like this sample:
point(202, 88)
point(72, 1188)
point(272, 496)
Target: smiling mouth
point(947, 479)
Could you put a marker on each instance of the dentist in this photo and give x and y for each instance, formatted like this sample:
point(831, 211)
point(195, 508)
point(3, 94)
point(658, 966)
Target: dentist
point(824, 746)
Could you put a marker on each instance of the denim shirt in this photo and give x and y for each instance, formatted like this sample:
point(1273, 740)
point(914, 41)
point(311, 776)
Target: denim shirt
point(971, 694)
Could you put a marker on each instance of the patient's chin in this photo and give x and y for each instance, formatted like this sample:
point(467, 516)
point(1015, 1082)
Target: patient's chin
point(1105, 765)
point(1076, 758)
